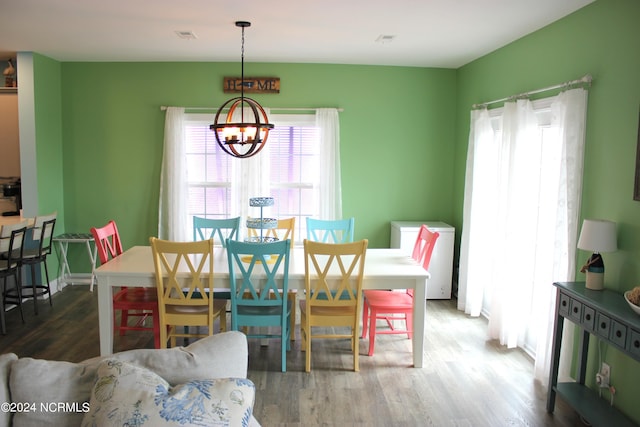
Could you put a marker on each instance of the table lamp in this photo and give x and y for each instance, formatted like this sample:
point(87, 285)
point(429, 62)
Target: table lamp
point(598, 236)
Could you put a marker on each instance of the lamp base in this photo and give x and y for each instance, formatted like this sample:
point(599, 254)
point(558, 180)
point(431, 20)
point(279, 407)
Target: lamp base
point(595, 281)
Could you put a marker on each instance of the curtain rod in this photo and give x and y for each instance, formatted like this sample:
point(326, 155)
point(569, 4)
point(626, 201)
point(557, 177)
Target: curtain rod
point(340, 110)
point(587, 79)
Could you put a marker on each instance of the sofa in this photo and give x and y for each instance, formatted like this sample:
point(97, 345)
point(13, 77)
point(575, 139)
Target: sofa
point(204, 384)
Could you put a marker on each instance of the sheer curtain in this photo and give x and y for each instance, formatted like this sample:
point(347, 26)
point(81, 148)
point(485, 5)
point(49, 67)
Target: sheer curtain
point(329, 180)
point(521, 213)
point(173, 178)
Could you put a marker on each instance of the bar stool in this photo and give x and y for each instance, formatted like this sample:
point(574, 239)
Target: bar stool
point(11, 247)
point(42, 232)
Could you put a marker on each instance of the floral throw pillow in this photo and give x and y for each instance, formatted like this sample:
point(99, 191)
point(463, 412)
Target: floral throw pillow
point(126, 394)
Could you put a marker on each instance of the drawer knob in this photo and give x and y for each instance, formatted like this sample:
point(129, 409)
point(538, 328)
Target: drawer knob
point(618, 333)
point(588, 317)
point(636, 344)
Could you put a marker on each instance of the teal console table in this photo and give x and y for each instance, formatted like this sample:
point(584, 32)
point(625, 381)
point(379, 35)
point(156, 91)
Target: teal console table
point(606, 315)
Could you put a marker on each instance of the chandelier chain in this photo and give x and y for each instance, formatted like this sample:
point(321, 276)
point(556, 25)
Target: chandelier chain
point(242, 47)
point(242, 76)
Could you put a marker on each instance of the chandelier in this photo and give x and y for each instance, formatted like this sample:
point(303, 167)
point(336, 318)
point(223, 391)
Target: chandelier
point(244, 130)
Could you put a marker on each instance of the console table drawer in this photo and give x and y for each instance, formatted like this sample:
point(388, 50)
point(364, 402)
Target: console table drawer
point(634, 343)
point(588, 318)
point(603, 325)
point(575, 310)
point(618, 334)
point(563, 308)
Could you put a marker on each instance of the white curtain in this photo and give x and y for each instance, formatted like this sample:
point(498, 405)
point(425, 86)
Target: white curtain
point(173, 178)
point(329, 181)
point(521, 213)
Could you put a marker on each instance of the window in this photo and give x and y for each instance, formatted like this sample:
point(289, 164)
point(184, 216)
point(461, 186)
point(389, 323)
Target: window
point(291, 162)
point(208, 172)
point(294, 166)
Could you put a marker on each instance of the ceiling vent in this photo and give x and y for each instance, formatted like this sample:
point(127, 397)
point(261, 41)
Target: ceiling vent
point(385, 38)
point(187, 35)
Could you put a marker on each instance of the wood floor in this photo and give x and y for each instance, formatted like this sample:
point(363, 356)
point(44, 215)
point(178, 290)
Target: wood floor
point(466, 381)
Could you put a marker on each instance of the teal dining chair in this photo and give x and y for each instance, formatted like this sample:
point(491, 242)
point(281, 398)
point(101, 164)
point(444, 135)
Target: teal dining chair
point(258, 294)
point(286, 229)
point(218, 229)
point(330, 231)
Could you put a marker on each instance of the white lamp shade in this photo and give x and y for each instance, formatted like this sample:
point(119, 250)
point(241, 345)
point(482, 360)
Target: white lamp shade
point(598, 235)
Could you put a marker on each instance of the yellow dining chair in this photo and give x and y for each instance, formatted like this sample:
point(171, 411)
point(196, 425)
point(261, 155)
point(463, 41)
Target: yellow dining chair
point(286, 229)
point(283, 231)
point(333, 290)
point(184, 280)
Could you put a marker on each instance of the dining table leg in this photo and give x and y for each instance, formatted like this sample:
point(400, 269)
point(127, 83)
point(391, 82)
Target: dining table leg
point(419, 310)
point(105, 316)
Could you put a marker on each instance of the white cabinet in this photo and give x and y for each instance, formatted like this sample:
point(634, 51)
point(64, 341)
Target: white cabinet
point(404, 234)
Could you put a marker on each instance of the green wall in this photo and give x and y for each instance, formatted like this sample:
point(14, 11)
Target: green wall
point(45, 170)
point(397, 137)
point(602, 39)
point(47, 103)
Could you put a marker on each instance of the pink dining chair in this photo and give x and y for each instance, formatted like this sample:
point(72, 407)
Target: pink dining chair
point(392, 305)
point(139, 303)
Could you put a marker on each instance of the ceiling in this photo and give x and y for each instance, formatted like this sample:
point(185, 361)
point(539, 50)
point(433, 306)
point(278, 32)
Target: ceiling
point(425, 33)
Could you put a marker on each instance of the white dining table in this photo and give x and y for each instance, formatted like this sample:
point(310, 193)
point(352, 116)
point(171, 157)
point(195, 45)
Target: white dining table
point(384, 269)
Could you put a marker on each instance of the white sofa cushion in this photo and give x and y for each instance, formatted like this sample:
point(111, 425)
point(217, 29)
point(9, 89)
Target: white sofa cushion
point(126, 394)
point(6, 360)
point(40, 381)
point(34, 382)
point(223, 355)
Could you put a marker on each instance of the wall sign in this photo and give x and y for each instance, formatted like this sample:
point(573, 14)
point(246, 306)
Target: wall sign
point(252, 84)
